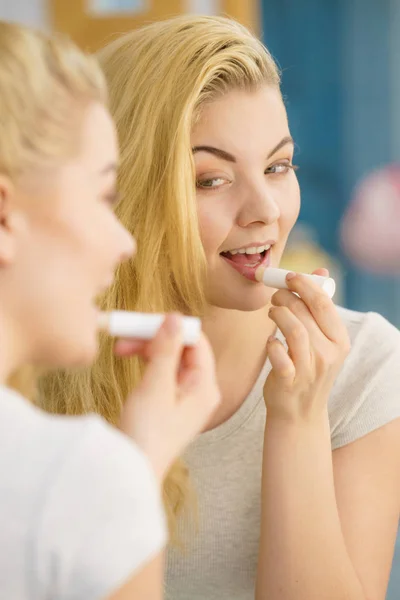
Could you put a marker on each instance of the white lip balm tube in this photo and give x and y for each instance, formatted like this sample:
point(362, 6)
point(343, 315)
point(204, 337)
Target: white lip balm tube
point(276, 278)
point(144, 326)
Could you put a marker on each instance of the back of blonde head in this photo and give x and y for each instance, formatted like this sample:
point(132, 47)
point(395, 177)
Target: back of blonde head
point(45, 85)
point(159, 78)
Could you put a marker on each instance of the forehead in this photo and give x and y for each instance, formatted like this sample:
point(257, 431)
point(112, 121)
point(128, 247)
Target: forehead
point(98, 137)
point(243, 122)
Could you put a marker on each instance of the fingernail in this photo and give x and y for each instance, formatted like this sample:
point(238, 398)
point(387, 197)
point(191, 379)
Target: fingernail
point(290, 276)
point(173, 323)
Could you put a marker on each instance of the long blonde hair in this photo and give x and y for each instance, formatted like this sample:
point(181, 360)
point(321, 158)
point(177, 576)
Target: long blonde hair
point(45, 85)
point(159, 77)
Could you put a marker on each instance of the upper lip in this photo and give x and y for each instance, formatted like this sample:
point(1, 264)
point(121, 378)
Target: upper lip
point(251, 245)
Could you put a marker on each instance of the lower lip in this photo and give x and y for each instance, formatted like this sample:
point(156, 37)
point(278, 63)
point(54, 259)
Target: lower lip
point(250, 272)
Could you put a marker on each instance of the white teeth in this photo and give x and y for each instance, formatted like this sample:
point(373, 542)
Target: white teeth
point(252, 250)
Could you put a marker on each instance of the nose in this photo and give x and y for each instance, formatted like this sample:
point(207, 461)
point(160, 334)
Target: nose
point(258, 207)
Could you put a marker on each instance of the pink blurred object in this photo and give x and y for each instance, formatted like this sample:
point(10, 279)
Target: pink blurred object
point(370, 230)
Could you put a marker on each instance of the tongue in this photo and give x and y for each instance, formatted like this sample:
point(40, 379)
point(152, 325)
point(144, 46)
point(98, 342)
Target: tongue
point(244, 259)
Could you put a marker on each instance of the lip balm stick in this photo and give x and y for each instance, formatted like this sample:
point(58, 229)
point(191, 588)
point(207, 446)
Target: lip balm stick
point(276, 278)
point(144, 326)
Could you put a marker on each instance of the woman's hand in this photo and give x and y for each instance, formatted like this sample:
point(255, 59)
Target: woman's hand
point(176, 396)
point(301, 379)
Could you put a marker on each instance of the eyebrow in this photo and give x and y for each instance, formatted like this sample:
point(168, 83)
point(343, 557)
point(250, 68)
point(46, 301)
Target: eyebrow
point(284, 141)
point(230, 158)
point(216, 152)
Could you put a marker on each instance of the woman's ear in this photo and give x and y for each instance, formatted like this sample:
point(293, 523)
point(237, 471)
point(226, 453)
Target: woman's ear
point(8, 222)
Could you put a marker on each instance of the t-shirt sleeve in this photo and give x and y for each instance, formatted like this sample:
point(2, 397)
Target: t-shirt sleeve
point(367, 393)
point(102, 521)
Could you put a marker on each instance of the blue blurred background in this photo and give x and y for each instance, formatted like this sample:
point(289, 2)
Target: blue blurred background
point(341, 78)
point(341, 75)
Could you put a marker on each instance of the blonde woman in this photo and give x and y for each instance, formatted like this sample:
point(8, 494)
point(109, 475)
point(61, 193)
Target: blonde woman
point(80, 506)
point(303, 504)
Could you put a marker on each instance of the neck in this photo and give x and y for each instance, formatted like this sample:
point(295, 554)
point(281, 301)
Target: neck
point(12, 355)
point(234, 333)
point(239, 341)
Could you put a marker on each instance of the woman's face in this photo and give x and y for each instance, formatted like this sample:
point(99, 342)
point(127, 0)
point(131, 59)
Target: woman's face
point(247, 192)
point(68, 247)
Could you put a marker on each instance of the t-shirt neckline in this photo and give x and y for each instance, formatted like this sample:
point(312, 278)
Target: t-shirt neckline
point(239, 418)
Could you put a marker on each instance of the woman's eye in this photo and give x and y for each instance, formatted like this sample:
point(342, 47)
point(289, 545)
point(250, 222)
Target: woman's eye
point(212, 183)
point(280, 169)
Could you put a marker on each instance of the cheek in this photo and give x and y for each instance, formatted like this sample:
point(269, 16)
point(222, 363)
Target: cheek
point(79, 236)
point(215, 224)
point(290, 205)
point(75, 238)
point(84, 223)
point(74, 223)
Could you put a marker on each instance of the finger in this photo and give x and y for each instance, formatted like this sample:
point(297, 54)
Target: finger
point(322, 272)
point(200, 394)
point(281, 363)
point(296, 305)
point(296, 335)
point(125, 347)
point(187, 359)
point(319, 304)
point(164, 356)
point(197, 363)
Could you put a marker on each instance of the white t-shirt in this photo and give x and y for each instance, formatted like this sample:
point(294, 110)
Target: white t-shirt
point(220, 555)
point(80, 509)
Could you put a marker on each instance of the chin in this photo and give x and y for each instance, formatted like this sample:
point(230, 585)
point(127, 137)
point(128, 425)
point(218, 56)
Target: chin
point(252, 296)
point(75, 348)
point(72, 356)
point(85, 355)
point(84, 341)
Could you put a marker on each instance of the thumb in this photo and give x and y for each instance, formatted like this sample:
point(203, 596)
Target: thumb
point(198, 365)
point(164, 355)
point(199, 390)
